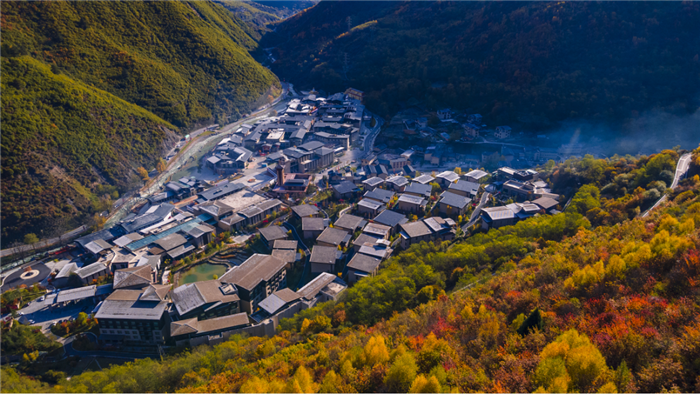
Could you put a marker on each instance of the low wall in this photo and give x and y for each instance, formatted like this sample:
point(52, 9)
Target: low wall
point(266, 328)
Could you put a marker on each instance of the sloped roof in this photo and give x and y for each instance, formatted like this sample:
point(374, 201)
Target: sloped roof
point(277, 300)
point(285, 244)
point(313, 224)
point(465, 186)
point(415, 229)
point(305, 210)
point(390, 218)
point(286, 255)
point(311, 289)
point(155, 293)
point(91, 269)
point(273, 233)
point(193, 295)
point(419, 188)
point(424, 179)
point(251, 272)
point(349, 221)
point(498, 213)
point(323, 254)
point(133, 276)
point(454, 200)
point(192, 326)
point(333, 236)
point(380, 195)
point(546, 202)
point(364, 263)
point(171, 241)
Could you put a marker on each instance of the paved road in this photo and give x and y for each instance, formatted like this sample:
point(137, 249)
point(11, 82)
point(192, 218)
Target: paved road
point(43, 243)
point(192, 150)
point(681, 171)
point(475, 215)
point(14, 280)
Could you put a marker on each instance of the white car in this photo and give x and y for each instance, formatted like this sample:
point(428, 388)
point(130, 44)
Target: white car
point(42, 298)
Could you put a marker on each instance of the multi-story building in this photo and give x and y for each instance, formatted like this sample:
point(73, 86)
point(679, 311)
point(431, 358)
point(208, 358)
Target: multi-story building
point(136, 316)
point(206, 300)
point(256, 278)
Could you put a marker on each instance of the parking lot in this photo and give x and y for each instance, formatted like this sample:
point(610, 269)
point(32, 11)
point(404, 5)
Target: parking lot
point(44, 313)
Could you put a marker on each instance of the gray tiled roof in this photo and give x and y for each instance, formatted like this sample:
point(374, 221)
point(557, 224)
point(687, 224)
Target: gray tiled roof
point(333, 236)
point(349, 221)
point(415, 229)
point(171, 241)
point(380, 195)
point(285, 244)
point(364, 263)
point(498, 213)
point(412, 199)
point(454, 200)
point(465, 186)
point(418, 188)
point(345, 187)
point(193, 295)
point(323, 254)
point(313, 224)
point(390, 218)
point(424, 179)
point(273, 232)
point(125, 304)
point(370, 204)
point(311, 289)
point(134, 276)
point(305, 210)
point(251, 272)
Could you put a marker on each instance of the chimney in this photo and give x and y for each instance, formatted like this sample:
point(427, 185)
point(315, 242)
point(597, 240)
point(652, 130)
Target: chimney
point(280, 172)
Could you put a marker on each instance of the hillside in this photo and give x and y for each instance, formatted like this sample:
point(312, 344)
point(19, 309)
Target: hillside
point(260, 14)
point(93, 90)
point(537, 63)
point(552, 304)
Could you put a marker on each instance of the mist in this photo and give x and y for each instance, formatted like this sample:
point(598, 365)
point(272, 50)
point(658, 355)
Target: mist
point(648, 133)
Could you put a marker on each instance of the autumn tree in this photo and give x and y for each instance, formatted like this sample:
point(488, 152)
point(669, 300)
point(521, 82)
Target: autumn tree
point(31, 239)
point(402, 373)
point(142, 173)
point(301, 382)
point(425, 385)
point(572, 363)
point(375, 351)
point(161, 166)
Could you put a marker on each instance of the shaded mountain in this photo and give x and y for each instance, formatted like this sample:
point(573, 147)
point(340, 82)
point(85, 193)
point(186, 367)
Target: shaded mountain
point(93, 90)
point(506, 60)
point(259, 14)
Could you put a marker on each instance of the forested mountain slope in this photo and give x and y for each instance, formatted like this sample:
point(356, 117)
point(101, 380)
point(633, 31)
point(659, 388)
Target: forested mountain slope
point(259, 14)
point(539, 62)
point(556, 303)
point(93, 90)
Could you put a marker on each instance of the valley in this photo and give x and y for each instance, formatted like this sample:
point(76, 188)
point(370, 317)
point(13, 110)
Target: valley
point(333, 196)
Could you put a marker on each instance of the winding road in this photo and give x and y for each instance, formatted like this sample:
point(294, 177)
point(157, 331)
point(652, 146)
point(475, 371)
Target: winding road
point(681, 171)
point(475, 215)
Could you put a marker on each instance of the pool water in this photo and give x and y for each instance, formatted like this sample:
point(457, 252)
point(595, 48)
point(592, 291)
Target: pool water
point(204, 271)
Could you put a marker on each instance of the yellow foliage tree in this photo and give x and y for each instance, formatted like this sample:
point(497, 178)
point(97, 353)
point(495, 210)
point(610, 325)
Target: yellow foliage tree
point(572, 363)
point(257, 385)
point(330, 383)
point(375, 351)
point(142, 173)
point(425, 385)
point(301, 382)
point(161, 166)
